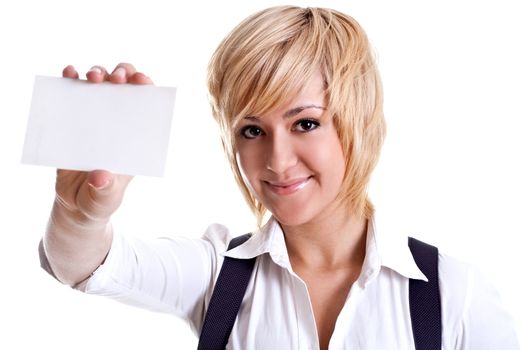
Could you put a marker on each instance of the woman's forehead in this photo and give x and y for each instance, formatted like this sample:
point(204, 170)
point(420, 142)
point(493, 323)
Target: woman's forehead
point(306, 92)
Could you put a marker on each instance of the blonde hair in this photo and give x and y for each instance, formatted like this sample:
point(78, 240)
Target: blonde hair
point(271, 55)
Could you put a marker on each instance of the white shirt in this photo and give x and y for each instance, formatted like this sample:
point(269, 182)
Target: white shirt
point(177, 276)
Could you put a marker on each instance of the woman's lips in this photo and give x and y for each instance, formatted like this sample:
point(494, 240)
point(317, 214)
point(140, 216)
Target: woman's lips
point(288, 187)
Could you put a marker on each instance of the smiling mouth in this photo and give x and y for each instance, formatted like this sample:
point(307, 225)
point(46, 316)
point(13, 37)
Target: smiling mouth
point(288, 187)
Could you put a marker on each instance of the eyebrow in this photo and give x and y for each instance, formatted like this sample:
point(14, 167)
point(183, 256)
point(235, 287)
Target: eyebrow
point(294, 111)
point(290, 113)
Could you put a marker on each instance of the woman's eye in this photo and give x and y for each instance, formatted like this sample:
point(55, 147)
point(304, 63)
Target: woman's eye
point(251, 132)
point(305, 125)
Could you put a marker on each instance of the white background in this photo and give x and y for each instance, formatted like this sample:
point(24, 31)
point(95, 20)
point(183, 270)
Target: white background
point(451, 172)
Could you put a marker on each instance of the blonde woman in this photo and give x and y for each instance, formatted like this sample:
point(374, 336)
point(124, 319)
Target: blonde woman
point(298, 98)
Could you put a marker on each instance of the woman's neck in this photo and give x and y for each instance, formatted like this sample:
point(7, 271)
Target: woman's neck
point(335, 239)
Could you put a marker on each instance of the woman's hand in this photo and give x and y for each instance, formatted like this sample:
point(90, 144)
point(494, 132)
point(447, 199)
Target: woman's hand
point(96, 195)
point(79, 234)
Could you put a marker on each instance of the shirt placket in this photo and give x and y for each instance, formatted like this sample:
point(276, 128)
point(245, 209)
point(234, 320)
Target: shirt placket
point(306, 327)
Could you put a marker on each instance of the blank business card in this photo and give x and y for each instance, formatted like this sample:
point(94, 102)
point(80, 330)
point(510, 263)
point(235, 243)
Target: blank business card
point(78, 125)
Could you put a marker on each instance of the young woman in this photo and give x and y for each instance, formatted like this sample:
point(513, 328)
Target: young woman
point(298, 99)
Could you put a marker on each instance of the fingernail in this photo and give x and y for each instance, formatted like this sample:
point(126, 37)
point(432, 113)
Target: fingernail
point(95, 70)
point(119, 72)
point(100, 186)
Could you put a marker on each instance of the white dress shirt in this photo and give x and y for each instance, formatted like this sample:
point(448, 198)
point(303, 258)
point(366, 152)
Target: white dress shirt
point(177, 275)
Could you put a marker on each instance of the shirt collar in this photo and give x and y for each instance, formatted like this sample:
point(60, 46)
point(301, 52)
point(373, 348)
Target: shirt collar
point(388, 249)
point(383, 249)
point(268, 239)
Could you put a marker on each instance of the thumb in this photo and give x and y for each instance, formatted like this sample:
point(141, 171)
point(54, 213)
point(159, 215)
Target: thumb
point(101, 194)
point(100, 179)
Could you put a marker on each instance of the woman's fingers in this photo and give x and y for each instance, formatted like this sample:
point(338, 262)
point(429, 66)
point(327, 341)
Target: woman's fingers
point(97, 74)
point(70, 72)
point(127, 73)
point(140, 79)
point(122, 74)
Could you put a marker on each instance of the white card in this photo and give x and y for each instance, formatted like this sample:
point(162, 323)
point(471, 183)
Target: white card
point(78, 125)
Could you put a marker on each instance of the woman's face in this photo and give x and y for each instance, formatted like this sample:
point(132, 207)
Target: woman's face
point(291, 159)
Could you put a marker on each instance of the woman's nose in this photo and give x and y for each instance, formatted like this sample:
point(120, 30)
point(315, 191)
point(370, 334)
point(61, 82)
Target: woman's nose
point(281, 154)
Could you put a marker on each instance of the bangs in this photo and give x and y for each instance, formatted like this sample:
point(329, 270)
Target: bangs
point(273, 82)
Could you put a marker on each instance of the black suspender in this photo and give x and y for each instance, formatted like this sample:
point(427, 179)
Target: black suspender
point(425, 303)
point(424, 299)
point(226, 299)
